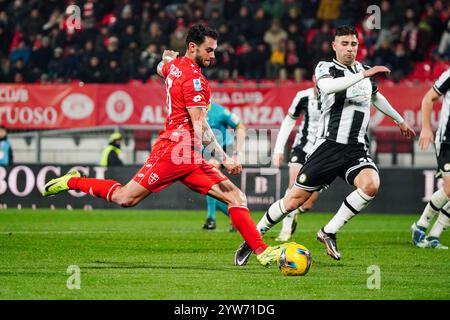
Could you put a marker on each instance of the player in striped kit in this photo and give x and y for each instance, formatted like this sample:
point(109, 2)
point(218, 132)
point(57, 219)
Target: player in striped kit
point(305, 102)
point(439, 204)
point(346, 93)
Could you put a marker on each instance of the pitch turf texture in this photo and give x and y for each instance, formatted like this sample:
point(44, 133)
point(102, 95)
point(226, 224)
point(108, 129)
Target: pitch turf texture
point(129, 254)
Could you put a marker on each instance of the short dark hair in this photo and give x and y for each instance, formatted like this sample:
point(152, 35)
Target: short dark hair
point(198, 32)
point(345, 31)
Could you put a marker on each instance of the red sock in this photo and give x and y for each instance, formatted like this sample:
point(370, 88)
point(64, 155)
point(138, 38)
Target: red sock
point(240, 217)
point(95, 187)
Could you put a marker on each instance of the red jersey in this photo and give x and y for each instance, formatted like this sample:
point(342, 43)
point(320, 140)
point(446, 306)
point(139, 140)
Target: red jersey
point(186, 87)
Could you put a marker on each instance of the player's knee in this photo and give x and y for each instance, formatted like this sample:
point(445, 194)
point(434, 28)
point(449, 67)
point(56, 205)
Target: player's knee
point(291, 204)
point(124, 201)
point(237, 197)
point(370, 188)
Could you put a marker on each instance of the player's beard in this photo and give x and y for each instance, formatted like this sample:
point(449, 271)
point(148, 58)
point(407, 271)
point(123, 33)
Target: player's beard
point(200, 62)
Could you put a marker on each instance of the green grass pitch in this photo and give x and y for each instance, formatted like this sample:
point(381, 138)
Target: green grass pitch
point(130, 254)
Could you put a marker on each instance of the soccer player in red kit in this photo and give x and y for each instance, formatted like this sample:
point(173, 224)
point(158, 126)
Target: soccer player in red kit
point(176, 155)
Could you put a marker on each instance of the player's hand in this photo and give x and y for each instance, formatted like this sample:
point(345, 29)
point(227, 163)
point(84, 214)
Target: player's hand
point(169, 54)
point(426, 137)
point(232, 165)
point(375, 70)
point(406, 130)
point(277, 159)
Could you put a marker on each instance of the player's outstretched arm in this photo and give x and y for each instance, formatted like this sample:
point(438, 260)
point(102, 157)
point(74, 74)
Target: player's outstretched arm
point(426, 134)
point(381, 103)
point(332, 85)
point(168, 55)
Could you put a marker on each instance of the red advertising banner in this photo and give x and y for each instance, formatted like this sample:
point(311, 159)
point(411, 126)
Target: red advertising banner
point(82, 106)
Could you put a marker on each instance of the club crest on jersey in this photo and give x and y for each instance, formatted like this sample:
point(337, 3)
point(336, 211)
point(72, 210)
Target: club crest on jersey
point(302, 178)
point(153, 178)
point(447, 167)
point(197, 85)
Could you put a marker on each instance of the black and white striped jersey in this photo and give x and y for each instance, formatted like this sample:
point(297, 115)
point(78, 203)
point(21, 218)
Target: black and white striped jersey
point(305, 102)
point(345, 114)
point(442, 87)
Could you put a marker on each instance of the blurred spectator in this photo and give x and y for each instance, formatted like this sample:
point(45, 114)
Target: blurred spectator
point(113, 73)
point(259, 26)
point(275, 35)
point(33, 23)
point(383, 56)
point(87, 52)
point(130, 59)
point(274, 8)
point(36, 32)
point(277, 60)
point(292, 65)
point(41, 56)
point(71, 63)
point(153, 35)
point(329, 10)
point(22, 52)
point(243, 22)
point(178, 37)
point(150, 58)
point(401, 63)
point(6, 152)
point(325, 53)
point(444, 43)
point(93, 73)
point(321, 36)
point(56, 65)
point(213, 5)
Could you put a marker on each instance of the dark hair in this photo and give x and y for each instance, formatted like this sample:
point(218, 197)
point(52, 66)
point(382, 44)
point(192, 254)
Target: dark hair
point(198, 32)
point(345, 31)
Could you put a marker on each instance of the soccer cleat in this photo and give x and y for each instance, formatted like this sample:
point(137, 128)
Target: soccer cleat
point(58, 185)
point(286, 235)
point(242, 254)
point(210, 224)
point(329, 240)
point(271, 254)
point(417, 234)
point(431, 242)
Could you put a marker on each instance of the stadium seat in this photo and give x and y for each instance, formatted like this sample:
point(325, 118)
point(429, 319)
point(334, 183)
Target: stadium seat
point(392, 142)
point(421, 71)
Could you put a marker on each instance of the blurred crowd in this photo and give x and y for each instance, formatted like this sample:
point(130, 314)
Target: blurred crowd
point(122, 40)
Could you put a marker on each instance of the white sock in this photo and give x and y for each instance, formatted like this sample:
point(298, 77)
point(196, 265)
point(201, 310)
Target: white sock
point(287, 222)
point(442, 222)
point(275, 214)
point(437, 201)
point(352, 205)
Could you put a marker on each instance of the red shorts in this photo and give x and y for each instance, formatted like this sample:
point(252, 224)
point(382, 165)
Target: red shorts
point(170, 162)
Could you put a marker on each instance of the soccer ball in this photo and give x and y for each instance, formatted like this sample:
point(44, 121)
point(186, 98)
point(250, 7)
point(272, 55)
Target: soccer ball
point(294, 260)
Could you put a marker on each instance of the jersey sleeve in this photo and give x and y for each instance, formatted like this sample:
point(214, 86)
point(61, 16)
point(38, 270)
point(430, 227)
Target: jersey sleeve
point(231, 119)
point(372, 80)
point(299, 104)
point(195, 93)
point(442, 84)
point(322, 71)
point(165, 69)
